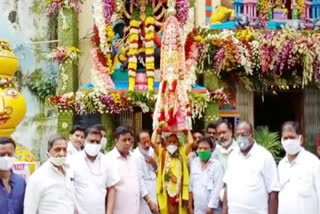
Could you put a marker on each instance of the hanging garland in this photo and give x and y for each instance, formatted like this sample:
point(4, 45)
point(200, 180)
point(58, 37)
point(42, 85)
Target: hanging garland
point(262, 60)
point(64, 55)
point(149, 46)
point(93, 101)
point(133, 40)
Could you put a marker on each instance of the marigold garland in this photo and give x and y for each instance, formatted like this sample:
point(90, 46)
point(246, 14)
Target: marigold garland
point(149, 46)
point(133, 40)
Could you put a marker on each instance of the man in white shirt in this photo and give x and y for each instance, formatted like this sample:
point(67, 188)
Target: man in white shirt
point(227, 144)
point(48, 188)
point(251, 179)
point(76, 138)
point(145, 159)
point(206, 182)
point(211, 132)
point(104, 140)
point(131, 187)
point(94, 177)
point(196, 135)
point(299, 173)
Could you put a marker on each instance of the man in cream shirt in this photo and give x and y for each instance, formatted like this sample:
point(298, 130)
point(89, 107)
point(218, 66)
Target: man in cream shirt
point(144, 156)
point(49, 188)
point(299, 173)
point(94, 177)
point(227, 144)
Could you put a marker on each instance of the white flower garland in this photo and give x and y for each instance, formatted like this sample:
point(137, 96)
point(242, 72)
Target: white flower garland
point(100, 23)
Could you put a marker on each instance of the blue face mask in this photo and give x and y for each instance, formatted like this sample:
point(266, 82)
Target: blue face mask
point(243, 142)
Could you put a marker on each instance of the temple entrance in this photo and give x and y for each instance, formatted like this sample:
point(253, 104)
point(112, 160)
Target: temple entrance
point(273, 110)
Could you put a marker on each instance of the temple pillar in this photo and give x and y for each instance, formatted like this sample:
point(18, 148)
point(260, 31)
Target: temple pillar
point(67, 79)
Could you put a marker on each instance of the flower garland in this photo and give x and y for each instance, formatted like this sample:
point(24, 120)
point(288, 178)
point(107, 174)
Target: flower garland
point(149, 46)
point(172, 110)
point(133, 40)
point(262, 61)
point(95, 101)
point(54, 6)
point(173, 168)
point(64, 55)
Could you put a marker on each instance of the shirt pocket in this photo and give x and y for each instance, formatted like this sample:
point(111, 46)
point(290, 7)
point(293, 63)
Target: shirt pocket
point(304, 185)
point(252, 178)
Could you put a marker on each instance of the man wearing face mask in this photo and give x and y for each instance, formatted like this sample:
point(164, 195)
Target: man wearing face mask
point(211, 132)
point(76, 138)
point(94, 177)
point(173, 173)
point(196, 135)
point(206, 182)
point(131, 186)
point(227, 144)
point(48, 188)
point(299, 173)
point(12, 186)
point(104, 140)
point(251, 180)
point(145, 159)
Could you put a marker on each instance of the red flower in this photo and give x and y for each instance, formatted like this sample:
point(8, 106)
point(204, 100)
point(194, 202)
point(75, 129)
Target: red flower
point(95, 38)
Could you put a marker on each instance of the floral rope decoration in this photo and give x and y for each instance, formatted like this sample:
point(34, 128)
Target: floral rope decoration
point(262, 60)
point(101, 52)
point(94, 101)
point(133, 48)
point(63, 56)
point(149, 46)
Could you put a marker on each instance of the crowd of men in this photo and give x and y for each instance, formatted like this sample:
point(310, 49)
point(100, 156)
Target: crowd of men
point(221, 171)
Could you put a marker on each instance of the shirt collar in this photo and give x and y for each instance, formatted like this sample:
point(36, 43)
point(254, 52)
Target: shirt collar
point(117, 153)
point(230, 149)
point(11, 179)
point(297, 159)
point(252, 150)
point(55, 169)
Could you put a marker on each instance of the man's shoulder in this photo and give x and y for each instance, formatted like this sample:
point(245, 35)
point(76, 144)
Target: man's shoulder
point(310, 158)
point(262, 152)
point(18, 179)
point(40, 173)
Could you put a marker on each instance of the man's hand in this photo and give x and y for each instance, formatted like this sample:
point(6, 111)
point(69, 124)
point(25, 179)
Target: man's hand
point(191, 211)
point(209, 211)
point(152, 161)
point(153, 207)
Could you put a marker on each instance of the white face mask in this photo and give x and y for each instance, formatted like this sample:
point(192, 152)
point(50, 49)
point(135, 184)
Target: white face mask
point(92, 149)
point(172, 149)
point(57, 161)
point(103, 142)
point(6, 163)
point(291, 146)
point(243, 143)
point(144, 152)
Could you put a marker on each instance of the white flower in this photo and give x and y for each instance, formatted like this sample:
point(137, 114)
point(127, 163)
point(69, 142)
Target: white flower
point(64, 125)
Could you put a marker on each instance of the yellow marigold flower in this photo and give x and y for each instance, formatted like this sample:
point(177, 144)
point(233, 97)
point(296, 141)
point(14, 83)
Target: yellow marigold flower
point(149, 20)
point(149, 50)
point(134, 23)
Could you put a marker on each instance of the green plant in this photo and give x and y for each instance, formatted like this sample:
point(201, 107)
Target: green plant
point(269, 140)
point(41, 85)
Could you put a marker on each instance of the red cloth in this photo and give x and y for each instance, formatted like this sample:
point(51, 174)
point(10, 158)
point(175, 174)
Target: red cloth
point(319, 140)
